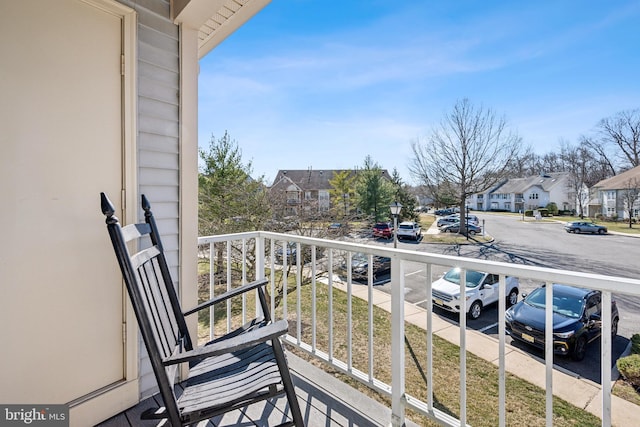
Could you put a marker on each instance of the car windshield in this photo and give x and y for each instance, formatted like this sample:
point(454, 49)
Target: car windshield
point(405, 226)
point(473, 277)
point(565, 305)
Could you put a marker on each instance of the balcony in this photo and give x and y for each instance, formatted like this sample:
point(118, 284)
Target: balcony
point(334, 320)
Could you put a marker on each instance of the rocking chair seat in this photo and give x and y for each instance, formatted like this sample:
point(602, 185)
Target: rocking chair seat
point(232, 381)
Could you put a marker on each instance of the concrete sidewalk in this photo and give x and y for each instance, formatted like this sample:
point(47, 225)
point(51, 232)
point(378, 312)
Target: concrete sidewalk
point(579, 392)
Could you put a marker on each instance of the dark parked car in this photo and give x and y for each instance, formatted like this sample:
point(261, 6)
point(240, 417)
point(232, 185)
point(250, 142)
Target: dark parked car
point(455, 228)
point(292, 250)
point(443, 212)
point(383, 229)
point(360, 266)
point(576, 319)
point(584, 227)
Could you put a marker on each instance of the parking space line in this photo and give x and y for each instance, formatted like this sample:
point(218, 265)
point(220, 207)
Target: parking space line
point(412, 273)
point(486, 328)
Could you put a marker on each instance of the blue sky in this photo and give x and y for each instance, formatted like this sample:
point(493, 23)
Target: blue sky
point(323, 83)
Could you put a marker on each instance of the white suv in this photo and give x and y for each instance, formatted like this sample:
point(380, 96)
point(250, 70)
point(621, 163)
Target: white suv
point(409, 229)
point(481, 290)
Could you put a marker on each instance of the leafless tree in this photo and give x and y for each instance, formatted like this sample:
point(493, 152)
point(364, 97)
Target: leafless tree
point(617, 139)
point(471, 150)
point(630, 197)
point(577, 161)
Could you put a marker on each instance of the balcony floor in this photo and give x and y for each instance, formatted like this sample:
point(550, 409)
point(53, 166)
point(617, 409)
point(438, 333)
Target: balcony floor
point(324, 401)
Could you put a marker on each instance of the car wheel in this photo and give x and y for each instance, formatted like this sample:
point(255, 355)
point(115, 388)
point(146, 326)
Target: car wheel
point(472, 232)
point(580, 349)
point(512, 298)
point(601, 231)
point(614, 328)
point(475, 310)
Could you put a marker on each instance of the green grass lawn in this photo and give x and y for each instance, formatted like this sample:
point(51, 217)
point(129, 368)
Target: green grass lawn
point(524, 403)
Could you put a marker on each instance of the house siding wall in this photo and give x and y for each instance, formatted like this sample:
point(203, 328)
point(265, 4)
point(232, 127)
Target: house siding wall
point(158, 143)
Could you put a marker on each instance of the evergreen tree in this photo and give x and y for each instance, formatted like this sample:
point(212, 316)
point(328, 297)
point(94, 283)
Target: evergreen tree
point(374, 191)
point(229, 199)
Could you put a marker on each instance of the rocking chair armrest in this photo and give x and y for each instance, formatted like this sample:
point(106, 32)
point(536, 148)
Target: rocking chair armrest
point(229, 345)
point(229, 294)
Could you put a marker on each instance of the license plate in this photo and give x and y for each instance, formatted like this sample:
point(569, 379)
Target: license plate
point(527, 337)
point(437, 301)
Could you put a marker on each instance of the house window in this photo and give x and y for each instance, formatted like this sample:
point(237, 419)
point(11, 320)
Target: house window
point(507, 206)
point(611, 195)
point(293, 197)
point(323, 200)
point(533, 196)
point(307, 195)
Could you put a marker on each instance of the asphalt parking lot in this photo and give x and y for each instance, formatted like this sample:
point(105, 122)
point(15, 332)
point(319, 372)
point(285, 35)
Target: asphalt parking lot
point(543, 244)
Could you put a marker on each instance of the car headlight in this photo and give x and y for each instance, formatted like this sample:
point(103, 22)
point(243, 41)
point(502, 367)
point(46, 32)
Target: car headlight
point(508, 316)
point(563, 335)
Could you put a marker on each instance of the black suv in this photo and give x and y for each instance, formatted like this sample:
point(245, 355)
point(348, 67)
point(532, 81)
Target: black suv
point(576, 319)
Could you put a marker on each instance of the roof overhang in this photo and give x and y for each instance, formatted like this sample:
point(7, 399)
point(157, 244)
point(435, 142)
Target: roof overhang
point(215, 20)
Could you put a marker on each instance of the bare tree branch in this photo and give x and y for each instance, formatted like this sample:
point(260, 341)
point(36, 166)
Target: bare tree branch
point(471, 150)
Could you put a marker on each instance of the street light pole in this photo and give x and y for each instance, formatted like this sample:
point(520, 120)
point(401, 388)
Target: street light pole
point(395, 211)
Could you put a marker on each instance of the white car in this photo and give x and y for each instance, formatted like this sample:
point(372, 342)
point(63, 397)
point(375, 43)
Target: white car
point(409, 230)
point(471, 219)
point(482, 290)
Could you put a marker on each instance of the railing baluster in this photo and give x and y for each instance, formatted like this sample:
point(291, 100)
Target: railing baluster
point(244, 280)
point(370, 320)
point(330, 309)
point(229, 267)
point(272, 267)
point(502, 302)
point(314, 304)
point(463, 346)
point(548, 351)
point(299, 268)
point(260, 269)
point(429, 275)
point(285, 278)
point(397, 343)
point(349, 328)
point(212, 292)
point(605, 361)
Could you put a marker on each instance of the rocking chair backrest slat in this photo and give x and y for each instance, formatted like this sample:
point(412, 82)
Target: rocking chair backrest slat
point(156, 303)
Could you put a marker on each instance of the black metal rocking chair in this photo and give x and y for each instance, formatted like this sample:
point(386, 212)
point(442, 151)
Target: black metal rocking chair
point(232, 372)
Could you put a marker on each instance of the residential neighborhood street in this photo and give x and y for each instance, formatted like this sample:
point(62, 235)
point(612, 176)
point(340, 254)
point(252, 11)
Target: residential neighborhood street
point(545, 244)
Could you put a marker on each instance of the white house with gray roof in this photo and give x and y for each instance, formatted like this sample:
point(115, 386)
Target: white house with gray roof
point(521, 194)
point(610, 196)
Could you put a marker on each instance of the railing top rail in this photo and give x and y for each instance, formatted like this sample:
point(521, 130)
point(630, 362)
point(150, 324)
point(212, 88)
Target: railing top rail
point(542, 274)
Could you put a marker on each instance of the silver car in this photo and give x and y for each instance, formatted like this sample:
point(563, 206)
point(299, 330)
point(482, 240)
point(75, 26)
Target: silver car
point(584, 227)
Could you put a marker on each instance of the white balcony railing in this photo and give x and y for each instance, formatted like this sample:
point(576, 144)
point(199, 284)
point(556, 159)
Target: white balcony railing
point(321, 263)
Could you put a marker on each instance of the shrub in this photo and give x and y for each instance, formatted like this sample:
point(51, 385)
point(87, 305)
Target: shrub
point(635, 344)
point(629, 367)
point(528, 213)
point(552, 208)
point(544, 212)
